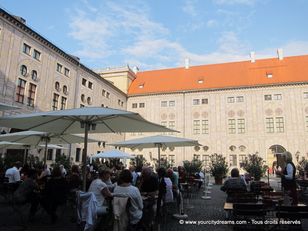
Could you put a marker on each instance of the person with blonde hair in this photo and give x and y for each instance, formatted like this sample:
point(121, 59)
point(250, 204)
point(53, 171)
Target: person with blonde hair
point(100, 189)
point(288, 177)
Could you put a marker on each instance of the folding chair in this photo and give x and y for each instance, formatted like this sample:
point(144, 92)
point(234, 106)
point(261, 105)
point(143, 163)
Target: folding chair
point(249, 212)
point(292, 216)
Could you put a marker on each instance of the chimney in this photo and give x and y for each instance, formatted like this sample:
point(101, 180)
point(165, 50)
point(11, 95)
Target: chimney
point(279, 52)
point(135, 70)
point(252, 57)
point(187, 63)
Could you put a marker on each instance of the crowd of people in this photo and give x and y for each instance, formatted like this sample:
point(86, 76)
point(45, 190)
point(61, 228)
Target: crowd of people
point(50, 187)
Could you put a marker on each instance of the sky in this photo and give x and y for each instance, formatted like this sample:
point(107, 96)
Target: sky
point(160, 34)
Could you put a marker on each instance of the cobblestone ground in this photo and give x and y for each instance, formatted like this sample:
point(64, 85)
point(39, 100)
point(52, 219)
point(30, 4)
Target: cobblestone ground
point(203, 211)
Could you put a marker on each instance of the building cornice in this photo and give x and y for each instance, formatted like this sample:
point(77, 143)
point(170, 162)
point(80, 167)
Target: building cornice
point(219, 89)
point(26, 29)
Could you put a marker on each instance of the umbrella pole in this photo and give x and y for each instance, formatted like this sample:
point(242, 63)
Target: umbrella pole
point(158, 155)
point(45, 154)
point(84, 157)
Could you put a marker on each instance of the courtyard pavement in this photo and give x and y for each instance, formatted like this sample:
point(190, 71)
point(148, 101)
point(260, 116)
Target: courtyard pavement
point(202, 216)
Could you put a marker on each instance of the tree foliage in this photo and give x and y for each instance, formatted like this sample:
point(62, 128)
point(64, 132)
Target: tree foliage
point(64, 160)
point(113, 162)
point(253, 165)
point(139, 162)
point(192, 166)
point(301, 166)
point(218, 166)
point(8, 159)
point(164, 163)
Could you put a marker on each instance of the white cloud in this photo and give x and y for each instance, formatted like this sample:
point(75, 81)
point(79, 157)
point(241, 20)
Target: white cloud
point(190, 9)
point(212, 23)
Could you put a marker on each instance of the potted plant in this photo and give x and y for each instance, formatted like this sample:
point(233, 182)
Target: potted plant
point(253, 165)
point(218, 167)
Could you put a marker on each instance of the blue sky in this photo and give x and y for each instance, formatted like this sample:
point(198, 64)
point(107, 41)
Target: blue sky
point(162, 33)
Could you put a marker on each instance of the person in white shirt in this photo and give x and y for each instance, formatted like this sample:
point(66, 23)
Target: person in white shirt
point(13, 173)
point(201, 177)
point(100, 190)
point(63, 169)
point(135, 176)
point(167, 196)
point(46, 169)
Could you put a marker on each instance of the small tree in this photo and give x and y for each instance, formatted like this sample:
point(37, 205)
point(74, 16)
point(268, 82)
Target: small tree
point(113, 162)
point(218, 166)
point(12, 158)
point(253, 165)
point(192, 166)
point(64, 160)
point(164, 163)
point(139, 162)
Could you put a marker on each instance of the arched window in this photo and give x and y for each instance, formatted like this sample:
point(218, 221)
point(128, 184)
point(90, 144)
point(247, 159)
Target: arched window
point(23, 70)
point(34, 75)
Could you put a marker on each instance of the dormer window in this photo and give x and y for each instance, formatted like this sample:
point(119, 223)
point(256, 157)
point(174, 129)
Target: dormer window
point(141, 85)
point(200, 81)
point(269, 74)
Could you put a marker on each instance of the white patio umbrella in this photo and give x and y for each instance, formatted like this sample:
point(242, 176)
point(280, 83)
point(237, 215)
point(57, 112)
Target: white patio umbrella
point(113, 154)
point(83, 120)
point(156, 141)
point(44, 138)
point(4, 107)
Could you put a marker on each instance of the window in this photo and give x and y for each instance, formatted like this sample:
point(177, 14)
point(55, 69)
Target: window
point(232, 148)
point(200, 81)
point(171, 149)
point(108, 95)
point(103, 93)
point(164, 123)
point(20, 91)
point(55, 102)
point(81, 105)
point(231, 123)
point(305, 95)
point(141, 105)
point(267, 97)
point(196, 126)
point(196, 148)
point(90, 85)
point(26, 49)
point(279, 124)
point(171, 103)
point(242, 148)
point(196, 101)
point(65, 91)
point(83, 98)
point(241, 125)
point(77, 157)
point(205, 101)
point(277, 97)
point(206, 160)
point(49, 154)
point(240, 99)
point(230, 99)
point(31, 95)
point(233, 160)
point(34, 75)
point(66, 72)
point(63, 103)
point(205, 148)
point(171, 160)
point(241, 158)
point(205, 127)
point(164, 103)
point(84, 82)
point(269, 75)
point(23, 70)
point(134, 105)
point(89, 100)
point(171, 126)
point(36, 55)
point(269, 125)
point(58, 153)
point(57, 86)
point(59, 67)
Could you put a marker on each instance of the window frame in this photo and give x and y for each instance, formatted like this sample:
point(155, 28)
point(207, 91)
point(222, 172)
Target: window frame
point(230, 99)
point(172, 103)
point(205, 126)
point(55, 101)
point(196, 101)
point(20, 91)
point(26, 49)
point(241, 126)
point(141, 105)
point(205, 101)
point(31, 94)
point(36, 55)
point(59, 68)
point(269, 121)
point(231, 126)
point(63, 103)
point(196, 127)
point(164, 103)
point(239, 99)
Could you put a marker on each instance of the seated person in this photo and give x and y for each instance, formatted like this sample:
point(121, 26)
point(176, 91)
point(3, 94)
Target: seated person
point(127, 190)
point(100, 190)
point(54, 193)
point(181, 173)
point(13, 173)
point(236, 181)
point(175, 185)
point(199, 175)
point(41, 174)
point(25, 193)
point(149, 184)
point(74, 178)
point(165, 186)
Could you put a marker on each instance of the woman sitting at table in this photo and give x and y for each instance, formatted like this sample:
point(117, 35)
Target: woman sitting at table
point(100, 190)
point(25, 193)
point(127, 190)
point(74, 179)
point(165, 186)
point(236, 182)
point(55, 193)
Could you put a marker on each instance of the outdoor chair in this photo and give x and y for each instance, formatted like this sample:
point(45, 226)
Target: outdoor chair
point(248, 212)
point(292, 215)
point(244, 198)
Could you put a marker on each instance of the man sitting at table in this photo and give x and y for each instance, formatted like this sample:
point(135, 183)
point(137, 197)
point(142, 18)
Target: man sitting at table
point(199, 175)
point(13, 173)
point(149, 184)
point(25, 192)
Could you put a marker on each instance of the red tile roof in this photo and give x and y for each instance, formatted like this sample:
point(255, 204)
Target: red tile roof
point(236, 74)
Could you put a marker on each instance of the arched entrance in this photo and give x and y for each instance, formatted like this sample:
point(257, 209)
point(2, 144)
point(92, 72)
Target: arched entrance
point(277, 150)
